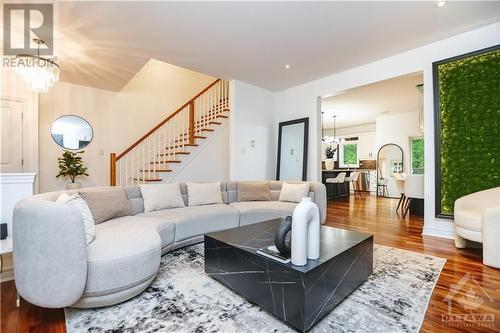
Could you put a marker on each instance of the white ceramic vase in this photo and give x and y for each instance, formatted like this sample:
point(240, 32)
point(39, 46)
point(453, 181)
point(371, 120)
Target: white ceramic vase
point(73, 186)
point(305, 232)
point(329, 164)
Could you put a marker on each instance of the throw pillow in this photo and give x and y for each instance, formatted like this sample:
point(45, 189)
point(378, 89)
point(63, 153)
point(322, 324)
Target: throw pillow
point(88, 221)
point(204, 194)
point(106, 204)
point(293, 192)
point(161, 196)
point(253, 191)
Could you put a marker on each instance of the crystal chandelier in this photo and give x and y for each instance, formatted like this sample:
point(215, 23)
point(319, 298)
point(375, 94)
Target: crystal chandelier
point(332, 139)
point(38, 73)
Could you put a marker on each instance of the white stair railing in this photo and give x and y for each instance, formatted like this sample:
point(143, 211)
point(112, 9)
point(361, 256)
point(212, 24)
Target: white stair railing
point(146, 159)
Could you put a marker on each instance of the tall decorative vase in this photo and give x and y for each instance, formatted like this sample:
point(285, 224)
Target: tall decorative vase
point(305, 232)
point(329, 163)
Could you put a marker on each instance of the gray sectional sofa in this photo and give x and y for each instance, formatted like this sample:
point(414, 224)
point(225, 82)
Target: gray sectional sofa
point(55, 268)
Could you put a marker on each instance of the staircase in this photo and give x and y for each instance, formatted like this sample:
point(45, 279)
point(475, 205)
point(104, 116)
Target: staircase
point(154, 156)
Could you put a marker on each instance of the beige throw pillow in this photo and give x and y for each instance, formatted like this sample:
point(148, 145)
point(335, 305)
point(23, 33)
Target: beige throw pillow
point(161, 196)
point(106, 204)
point(88, 221)
point(293, 192)
point(204, 194)
point(254, 191)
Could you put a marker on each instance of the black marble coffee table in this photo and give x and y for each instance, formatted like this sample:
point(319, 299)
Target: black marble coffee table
point(299, 296)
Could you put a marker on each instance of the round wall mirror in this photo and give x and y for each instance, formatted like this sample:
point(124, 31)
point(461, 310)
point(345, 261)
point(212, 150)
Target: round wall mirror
point(72, 132)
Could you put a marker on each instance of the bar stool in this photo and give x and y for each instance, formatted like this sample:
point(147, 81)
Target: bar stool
point(382, 183)
point(340, 179)
point(353, 179)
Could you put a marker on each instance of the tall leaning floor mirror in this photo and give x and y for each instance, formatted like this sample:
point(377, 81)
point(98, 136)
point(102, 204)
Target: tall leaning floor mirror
point(292, 150)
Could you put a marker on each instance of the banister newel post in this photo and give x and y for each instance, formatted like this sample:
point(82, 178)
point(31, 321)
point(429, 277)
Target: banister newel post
point(191, 122)
point(112, 169)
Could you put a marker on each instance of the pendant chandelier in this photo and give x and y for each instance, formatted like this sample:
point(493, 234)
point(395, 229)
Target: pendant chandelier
point(331, 139)
point(38, 73)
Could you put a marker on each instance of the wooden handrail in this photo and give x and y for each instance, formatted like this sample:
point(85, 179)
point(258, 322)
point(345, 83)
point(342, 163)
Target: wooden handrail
point(135, 144)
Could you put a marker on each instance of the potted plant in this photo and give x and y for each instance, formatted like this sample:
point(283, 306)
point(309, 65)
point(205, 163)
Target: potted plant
point(71, 165)
point(329, 161)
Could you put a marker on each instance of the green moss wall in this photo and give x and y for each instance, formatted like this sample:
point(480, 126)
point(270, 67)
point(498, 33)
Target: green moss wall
point(469, 107)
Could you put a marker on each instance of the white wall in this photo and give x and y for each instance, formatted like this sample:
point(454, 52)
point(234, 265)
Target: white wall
point(351, 130)
point(252, 118)
point(117, 118)
point(301, 101)
point(398, 128)
point(209, 161)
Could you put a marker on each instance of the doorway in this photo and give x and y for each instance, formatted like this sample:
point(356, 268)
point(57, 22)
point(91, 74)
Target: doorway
point(11, 150)
point(360, 125)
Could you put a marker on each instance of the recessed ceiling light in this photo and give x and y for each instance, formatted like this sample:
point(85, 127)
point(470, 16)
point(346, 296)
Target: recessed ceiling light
point(287, 66)
point(441, 3)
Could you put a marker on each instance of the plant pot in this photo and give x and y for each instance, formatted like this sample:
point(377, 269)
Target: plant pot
point(329, 164)
point(73, 186)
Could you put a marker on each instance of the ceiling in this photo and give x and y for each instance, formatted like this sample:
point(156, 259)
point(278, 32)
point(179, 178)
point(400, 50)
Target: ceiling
point(364, 104)
point(103, 44)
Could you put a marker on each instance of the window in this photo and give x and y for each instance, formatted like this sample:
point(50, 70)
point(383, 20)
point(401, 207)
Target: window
point(417, 155)
point(349, 155)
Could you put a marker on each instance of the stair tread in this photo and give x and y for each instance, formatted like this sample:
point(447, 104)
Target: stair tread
point(157, 170)
point(148, 179)
point(185, 145)
point(207, 129)
point(165, 162)
point(176, 153)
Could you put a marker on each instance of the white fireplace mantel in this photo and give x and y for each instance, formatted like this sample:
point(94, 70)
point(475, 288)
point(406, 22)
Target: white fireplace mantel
point(14, 187)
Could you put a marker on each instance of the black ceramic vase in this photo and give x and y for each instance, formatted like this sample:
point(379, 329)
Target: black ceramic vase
point(282, 244)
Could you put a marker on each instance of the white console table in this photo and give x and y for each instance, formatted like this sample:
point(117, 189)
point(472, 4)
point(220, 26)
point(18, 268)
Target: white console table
point(5, 248)
point(14, 187)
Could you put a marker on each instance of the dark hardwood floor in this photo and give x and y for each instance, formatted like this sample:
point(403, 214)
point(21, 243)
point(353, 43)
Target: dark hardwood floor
point(478, 294)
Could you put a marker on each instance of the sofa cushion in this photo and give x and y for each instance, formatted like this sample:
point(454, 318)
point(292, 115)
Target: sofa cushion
point(88, 220)
point(165, 228)
point(253, 191)
point(294, 192)
point(198, 220)
point(161, 196)
point(135, 198)
point(470, 219)
point(204, 193)
point(259, 211)
point(106, 204)
point(122, 256)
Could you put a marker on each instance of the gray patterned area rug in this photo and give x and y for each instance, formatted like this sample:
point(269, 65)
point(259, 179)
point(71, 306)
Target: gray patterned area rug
point(183, 299)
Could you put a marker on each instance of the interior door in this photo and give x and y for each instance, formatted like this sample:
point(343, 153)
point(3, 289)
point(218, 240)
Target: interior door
point(11, 150)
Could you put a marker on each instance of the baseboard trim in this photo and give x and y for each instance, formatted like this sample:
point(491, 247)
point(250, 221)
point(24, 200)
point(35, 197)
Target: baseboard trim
point(438, 232)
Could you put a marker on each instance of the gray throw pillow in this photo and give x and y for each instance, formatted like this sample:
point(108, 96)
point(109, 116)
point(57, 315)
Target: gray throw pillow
point(106, 204)
point(253, 191)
